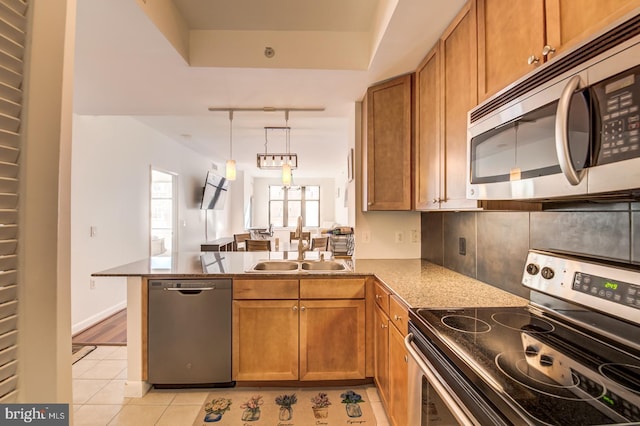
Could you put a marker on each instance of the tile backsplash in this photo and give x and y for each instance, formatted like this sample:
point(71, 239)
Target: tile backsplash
point(496, 242)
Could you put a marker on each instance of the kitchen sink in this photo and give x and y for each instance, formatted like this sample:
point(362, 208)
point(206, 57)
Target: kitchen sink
point(323, 265)
point(276, 265)
point(293, 266)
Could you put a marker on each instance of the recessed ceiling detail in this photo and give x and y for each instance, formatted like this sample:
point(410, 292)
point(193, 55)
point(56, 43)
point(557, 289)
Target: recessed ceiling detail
point(329, 34)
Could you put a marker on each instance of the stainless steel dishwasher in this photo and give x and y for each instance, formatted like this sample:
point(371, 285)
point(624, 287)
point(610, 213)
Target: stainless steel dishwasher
point(189, 333)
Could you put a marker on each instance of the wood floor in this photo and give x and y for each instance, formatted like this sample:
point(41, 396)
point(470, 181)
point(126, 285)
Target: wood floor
point(110, 331)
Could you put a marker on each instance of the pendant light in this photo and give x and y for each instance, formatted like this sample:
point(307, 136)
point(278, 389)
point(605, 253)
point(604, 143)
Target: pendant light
point(286, 167)
point(231, 164)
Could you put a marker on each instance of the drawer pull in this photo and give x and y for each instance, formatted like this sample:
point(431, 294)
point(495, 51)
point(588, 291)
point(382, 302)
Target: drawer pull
point(397, 318)
point(383, 326)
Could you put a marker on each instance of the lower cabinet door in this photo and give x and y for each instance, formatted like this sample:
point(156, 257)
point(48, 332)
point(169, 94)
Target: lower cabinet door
point(381, 353)
point(398, 378)
point(265, 340)
point(332, 339)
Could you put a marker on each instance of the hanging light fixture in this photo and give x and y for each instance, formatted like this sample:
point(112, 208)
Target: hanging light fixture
point(231, 163)
point(271, 160)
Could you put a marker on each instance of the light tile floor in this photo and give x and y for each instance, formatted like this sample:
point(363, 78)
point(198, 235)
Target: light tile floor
point(98, 396)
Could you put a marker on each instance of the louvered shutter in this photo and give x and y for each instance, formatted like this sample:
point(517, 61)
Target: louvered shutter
point(13, 23)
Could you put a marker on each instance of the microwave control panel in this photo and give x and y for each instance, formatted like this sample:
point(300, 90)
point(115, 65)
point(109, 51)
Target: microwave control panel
point(619, 109)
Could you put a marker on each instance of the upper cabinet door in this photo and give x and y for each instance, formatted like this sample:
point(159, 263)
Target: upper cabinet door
point(427, 140)
point(510, 40)
point(458, 50)
point(514, 37)
point(569, 22)
point(387, 154)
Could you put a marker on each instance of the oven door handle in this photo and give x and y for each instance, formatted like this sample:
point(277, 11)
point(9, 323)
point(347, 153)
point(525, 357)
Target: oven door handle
point(436, 381)
point(562, 132)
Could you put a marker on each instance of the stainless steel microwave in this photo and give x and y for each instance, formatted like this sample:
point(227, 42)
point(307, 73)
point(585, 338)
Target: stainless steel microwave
point(570, 129)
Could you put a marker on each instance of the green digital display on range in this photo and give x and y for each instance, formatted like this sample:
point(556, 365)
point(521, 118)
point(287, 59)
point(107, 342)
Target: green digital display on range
point(606, 288)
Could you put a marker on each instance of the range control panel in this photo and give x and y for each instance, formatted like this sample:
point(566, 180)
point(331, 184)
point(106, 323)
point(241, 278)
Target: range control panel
point(607, 286)
point(609, 289)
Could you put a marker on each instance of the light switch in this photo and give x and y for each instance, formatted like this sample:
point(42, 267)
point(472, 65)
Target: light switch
point(93, 231)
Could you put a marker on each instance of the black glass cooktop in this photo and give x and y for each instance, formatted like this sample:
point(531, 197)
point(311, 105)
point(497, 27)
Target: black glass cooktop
point(546, 371)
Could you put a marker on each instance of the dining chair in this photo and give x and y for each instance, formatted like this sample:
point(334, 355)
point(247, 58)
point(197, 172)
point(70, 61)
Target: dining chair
point(257, 245)
point(239, 239)
point(319, 243)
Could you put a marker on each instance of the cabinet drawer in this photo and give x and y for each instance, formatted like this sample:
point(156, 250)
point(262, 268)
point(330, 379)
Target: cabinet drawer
point(265, 289)
point(399, 315)
point(343, 288)
point(381, 294)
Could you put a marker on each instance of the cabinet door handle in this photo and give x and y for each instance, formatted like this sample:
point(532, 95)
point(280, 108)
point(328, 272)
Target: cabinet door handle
point(406, 358)
point(302, 308)
point(533, 59)
point(435, 200)
point(546, 50)
point(377, 297)
point(295, 308)
point(397, 318)
point(383, 326)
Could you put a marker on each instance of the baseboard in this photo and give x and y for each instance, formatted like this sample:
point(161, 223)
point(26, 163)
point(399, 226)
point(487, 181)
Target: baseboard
point(94, 319)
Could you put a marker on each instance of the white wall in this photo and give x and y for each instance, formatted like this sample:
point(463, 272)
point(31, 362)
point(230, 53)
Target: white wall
point(112, 159)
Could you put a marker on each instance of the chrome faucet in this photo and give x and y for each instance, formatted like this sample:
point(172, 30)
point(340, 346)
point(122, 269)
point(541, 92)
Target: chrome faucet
point(301, 247)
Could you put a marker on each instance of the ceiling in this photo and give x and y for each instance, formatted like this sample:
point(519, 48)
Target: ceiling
point(167, 62)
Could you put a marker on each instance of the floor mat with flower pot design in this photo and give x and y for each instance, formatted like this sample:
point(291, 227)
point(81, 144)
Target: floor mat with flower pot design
point(287, 407)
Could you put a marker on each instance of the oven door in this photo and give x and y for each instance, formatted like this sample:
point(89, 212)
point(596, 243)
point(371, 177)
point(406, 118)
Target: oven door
point(438, 393)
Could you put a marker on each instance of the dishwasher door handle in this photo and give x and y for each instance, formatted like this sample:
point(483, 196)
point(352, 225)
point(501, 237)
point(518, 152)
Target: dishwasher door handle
point(189, 289)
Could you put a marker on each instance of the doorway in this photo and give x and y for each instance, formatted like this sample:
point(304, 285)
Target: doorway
point(163, 238)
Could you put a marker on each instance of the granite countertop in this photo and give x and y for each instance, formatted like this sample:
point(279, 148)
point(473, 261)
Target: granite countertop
point(418, 282)
point(423, 284)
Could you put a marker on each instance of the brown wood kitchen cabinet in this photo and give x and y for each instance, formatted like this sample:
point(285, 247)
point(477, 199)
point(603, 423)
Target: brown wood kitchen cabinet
point(308, 329)
point(391, 374)
point(381, 353)
point(398, 362)
point(446, 89)
point(332, 329)
point(516, 36)
point(388, 133)
point(265, 329)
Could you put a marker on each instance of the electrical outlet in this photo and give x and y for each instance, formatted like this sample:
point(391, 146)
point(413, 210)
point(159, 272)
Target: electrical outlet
point(92, 284)
point(366, 237)
point(414, 235)
point(399, 237)
point(93, 231)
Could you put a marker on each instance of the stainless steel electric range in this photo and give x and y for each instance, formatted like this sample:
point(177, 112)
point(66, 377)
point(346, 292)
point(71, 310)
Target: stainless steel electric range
point(571, 357)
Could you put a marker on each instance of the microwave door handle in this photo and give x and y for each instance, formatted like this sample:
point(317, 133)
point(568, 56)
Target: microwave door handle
point(436, 382)
point(562, 132)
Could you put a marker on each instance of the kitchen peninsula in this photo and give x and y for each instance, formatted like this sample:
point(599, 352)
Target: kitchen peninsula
point(414, 282)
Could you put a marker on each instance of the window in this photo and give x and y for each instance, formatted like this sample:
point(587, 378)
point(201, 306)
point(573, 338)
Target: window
point(287, 203)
